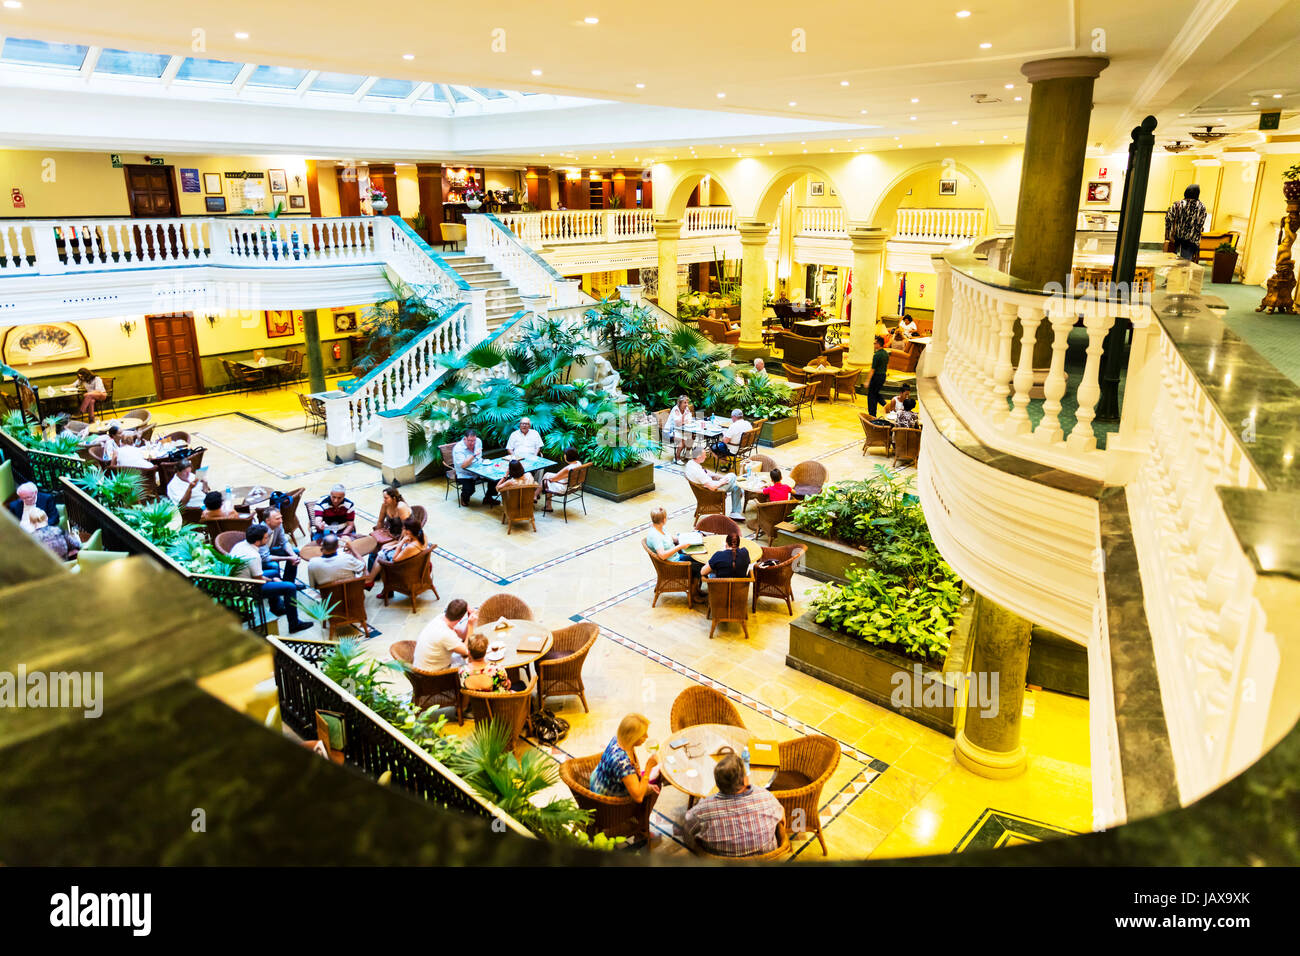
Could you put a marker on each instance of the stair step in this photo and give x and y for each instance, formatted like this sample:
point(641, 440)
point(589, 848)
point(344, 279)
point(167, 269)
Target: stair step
point(372, 458)
point(457, 261)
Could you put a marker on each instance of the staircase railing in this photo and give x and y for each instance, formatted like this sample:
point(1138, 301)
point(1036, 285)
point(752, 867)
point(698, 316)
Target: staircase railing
point(528, 272)
point(708, 220)
point(938, 225)
point(821, 221)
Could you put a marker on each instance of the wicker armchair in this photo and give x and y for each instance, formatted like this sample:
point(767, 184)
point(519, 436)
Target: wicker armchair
point(615, 816)
point(177, 436)
point(227, 540)
point(783, 848)
point(517, 505)
point(769, 514)
point(559, 671)
point(775, 580)
point(808, 478)
point(671, 577)
point(504, 605)
point(907, 445)
point(876, 436)
point(795, 376)
point(215, 527)
point(292, 526)
point(702, 705)
point(848, 382)
point(512, 708)
point(428, 688)
point(349, 599)
point(412, 575)
point(717, 524)
point(708, 501)
point(806, 764)
point(421, 514)
point(835, 355)
point(729, 602)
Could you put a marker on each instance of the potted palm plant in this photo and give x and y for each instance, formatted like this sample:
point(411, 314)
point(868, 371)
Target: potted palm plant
point(1225, 263)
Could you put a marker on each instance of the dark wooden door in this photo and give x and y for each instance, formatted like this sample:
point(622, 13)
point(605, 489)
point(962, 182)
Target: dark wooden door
point(349, 191)
point(151, 191)
point(175, 350)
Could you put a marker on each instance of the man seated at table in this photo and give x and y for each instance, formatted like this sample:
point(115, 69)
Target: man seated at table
point(186, 489)
point(280, 595)
point(278, 558)
point(524, 441)
point(30, 498)
point(778, 490)
point(442, 642)
point(334, 514)
point(729, 441)
point(465, 454)
point(760, 367)
point(696, 473)
point(214, 508)
point(335, 563)
point(132, 456)
point(739, 820)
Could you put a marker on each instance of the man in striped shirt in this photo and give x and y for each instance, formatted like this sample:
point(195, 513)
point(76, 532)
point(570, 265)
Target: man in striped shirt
point(738, 820)
point(1184, 221)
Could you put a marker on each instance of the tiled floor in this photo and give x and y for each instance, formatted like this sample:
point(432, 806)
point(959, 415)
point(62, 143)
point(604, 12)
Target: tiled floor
point(897, 790)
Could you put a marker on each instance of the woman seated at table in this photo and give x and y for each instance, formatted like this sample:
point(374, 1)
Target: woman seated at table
point(392, 531)
point(619, 773)
point(214, 507)
point(93, 391)
point(409, 541)
point(480, 674)
point(393, 505)
point(64, 545)
point(516, 477)
point(679, 417)
point(908, 327)
point(108, 443)
point(664, 545)
point(557, 482)
point(731, 562)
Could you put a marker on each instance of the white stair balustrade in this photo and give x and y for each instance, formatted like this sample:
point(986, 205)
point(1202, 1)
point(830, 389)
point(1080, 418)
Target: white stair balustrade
point(821, 221)
point(708, 220)
point(521, 266)
point(938, 225)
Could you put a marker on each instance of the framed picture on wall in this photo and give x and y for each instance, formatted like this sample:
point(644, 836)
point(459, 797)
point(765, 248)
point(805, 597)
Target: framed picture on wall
point(279, 324)
point(278, 180)
point(345, 321)
point(44, 342)
point(215, 203)
point(947, 187)
point(297, 202)
point(212, 184)
point(1098, 191)
point(816, 189)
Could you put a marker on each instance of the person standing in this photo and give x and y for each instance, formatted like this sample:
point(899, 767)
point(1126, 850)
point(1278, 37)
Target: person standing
point(1183, 224)
point(879, 369)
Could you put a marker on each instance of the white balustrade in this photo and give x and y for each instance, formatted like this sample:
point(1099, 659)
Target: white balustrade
point(558, 227)
point(821, 221)
point(938, 225)
point(708, 220)
point(521, 266)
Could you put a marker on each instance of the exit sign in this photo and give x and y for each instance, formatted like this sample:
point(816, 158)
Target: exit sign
point(157, 161)
point(1270, 120)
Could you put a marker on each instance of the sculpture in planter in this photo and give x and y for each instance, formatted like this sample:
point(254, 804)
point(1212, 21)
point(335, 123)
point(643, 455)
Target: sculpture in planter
point(1280, 294)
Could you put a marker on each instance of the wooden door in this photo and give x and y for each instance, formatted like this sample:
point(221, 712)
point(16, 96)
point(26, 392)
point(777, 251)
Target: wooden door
point(175, 350)
point(349, 191)
point(151, 191)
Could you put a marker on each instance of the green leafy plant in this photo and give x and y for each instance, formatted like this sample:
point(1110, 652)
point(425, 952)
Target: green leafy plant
point(915, 621)
point(1291, 173)
point(757, 396)
point(154, 521)
point(318, 609)
point(1225, 247)
point(116, 490)
point(391, 323)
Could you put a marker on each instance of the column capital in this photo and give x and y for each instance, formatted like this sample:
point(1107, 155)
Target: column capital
point(939, 261)
point(1065, 67)
point(668, 228)
point(866, 240)
point(753, 231)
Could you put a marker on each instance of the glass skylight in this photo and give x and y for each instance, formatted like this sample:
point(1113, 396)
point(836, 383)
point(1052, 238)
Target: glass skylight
point(124, 63)
point(209, 71)
point(337, 83)
point(393, 89)
point(277, 77)
point(489, 94)
point(66, 56)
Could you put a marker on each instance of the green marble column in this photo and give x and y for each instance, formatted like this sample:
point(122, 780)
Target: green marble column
point(989, 741)
point(315, 358)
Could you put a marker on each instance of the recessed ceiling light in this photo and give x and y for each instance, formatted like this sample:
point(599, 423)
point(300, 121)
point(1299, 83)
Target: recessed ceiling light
point(1276, 96)
point(1019, 99)
point(954, 122)
point(900, 145)
point(1004, 137)
point(537, 72)
point(640, 86)
point(915, 100)
point(592, 20)
point(792, 103)
point(805, 150)
point(895, 137)
point(962, 14)
point(911, 117)
point(981, 142)
point(863, 112)
point(986, 46)
point(238, 36)
point(13, 5)
point(722, 96)
point(1254, 102)
point(844, 82)
point(408, 56)
point(1009, 86)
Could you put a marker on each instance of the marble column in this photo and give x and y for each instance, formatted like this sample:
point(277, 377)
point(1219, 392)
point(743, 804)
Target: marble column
point(1060, 106)
point(753, 277)
point(868, 247)
point(667, 234)
point(315, 359)
point(988, 743)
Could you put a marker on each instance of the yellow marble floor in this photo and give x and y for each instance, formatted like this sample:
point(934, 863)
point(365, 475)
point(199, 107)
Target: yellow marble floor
point(897, 790)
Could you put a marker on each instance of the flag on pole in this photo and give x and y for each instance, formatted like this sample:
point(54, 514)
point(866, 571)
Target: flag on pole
point(848, 294)
point(902, 294)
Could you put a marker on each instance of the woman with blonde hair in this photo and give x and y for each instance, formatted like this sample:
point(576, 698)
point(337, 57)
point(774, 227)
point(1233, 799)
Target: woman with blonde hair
point(619, 773)
point(64, 545)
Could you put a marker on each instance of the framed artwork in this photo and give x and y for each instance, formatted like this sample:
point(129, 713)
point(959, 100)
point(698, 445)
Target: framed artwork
point(212, 184)
point(1098, 191)
point(816, 189)
point(215, 203)
point(345, 321)
point(947, 187)
point(190, 181)
point(297, 202)
point(44, 342)
point(279, 181)
point(279, 324)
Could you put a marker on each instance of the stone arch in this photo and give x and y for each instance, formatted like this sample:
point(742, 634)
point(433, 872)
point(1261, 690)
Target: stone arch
point(769, 198)
point(680, 193)
point(879, 212)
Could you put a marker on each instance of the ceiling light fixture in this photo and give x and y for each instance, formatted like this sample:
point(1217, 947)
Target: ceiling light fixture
point(1210, 135)
point(792, 103)
point(844, 82)
point(1018, 99)
point(722, 96)
point(954, 122)
point(962, 14)
point(1254, 102)
point(911, 117)
point(863, 112)
point(408, 56)
point(1009, 86)
point(1177, 146)
point(986, 46)
point(238, 36)
point(1277, 96)
point(915, 100)
point(640, 86)
point(537, 72)
point(591, 20)
point(13, 5)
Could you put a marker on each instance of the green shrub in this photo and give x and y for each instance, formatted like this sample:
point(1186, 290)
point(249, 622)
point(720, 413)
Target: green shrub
point(914, 621)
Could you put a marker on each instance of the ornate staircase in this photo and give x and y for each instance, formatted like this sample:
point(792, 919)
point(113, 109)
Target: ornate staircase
point(502, 299)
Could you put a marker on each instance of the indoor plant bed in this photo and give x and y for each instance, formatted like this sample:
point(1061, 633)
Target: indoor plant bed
point(825, 559)
point(778, 431)
point(621, 485)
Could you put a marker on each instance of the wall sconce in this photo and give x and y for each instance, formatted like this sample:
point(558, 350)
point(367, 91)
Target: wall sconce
point(212, 321)
point(128, 326)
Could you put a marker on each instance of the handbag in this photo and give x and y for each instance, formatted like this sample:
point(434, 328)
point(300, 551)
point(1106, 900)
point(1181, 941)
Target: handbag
point(547, 726)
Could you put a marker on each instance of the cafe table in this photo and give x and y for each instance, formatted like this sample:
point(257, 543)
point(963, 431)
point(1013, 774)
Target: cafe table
point(265, 367)
point(821, 373)
point(699, 428)
point(713, 543)
point(689, 767)
point(504, 636)
point(361, 547)
point(104, 424)
point(496, 470)
point(248, 497)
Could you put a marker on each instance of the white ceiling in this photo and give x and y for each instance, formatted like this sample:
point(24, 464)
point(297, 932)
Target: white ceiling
point(1205, 59)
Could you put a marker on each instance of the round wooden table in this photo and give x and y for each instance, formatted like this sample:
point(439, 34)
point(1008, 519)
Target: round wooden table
point(361, 547)
point(248, 497)
point(510, 637)
point(713, 543)
point(693, 775)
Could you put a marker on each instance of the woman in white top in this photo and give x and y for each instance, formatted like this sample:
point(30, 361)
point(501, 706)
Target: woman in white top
point(677, 418)
point(908, 325)
point(557, 482)
point(94, 391)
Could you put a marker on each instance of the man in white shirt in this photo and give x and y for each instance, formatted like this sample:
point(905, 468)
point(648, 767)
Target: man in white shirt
point(130, 456)
point(524, 442)
point(280, 595)
point(186, 489)
point(442, 642)
point(696, 472)
point(334, 564)
point(760, 367)
point(733, 433)
point(465, 454)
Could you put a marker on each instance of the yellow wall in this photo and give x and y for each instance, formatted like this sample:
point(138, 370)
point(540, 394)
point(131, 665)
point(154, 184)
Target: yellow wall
point(408, 193)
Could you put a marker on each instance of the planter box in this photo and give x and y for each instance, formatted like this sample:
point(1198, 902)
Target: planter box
point(1057, 663)
point(621, 485)
point(778, 431)
point(875, 673)
point(1225, 263)
point(824, 560)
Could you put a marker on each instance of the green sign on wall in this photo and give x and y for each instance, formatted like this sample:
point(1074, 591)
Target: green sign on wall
point(1270, 120)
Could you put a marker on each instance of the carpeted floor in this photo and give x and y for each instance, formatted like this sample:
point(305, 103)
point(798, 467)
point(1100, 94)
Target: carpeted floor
point(1276, 337)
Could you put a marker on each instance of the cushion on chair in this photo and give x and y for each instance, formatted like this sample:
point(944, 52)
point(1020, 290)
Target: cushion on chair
point(8, 488)
point(788, 780)
point(95, 542)
point(87, 559)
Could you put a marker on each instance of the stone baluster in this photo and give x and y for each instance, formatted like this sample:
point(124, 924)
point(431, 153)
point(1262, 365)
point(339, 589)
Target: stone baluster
point(1018, 421)
point(1049, 429)
point(1097, 321)
point(1002, 370)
